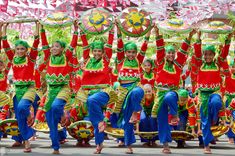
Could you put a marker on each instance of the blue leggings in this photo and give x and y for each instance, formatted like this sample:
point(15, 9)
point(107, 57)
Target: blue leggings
point(164, 130)
point(53, 117)
point(214, 106)
point(95, 103)
point(132, 105)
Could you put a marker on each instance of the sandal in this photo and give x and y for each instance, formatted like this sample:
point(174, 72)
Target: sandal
point(166, 151)
point(98, 150)
point(129, 151)
point(27, 150)
point(56, 152)
point(207, 151)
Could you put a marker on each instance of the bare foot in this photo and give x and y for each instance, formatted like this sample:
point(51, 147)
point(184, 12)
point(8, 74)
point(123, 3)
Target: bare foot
point(27, 148)
point(231, 141)
point(56, 152)
point(98, 149)
point(166, 150)
point(129, 150)
point(101, 126)
point(207, 150)
point(16, 144)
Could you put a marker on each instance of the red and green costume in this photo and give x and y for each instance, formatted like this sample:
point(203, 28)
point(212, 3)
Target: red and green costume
point(58, 69)
point(23, 77)
point(167, 81)
point(208, 85)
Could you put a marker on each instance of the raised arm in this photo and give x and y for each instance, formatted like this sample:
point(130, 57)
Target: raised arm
point(6, 45)
point(34, 50)
point(85, 46)
point(108, 46)
point(182, 54)
point(144, 47)
point(225, 50)
point(70, 52)
point(120, 46)
point(160, 53)
point(198, 51)
point(45, 45)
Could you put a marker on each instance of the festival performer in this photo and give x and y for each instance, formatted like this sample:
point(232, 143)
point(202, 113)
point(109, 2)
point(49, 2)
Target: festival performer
point(147, 123)
point(229, 96)
point(169, 70)
point(5, 102)
point(23, 74)
point(131, 95)
point(95, 84)
point(208, 85)
point(186, 113)
point(148, 75)
point(59, 63)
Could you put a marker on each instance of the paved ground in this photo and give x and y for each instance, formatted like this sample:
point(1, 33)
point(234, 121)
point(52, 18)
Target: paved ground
point(42, 147)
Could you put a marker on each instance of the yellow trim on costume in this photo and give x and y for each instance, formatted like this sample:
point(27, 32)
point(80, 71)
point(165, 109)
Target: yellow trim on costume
point(201, 68)
point(20, 65)
point(58, 65)
point(169, 71)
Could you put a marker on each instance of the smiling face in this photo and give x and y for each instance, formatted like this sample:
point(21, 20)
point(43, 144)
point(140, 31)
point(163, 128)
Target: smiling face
point(20, 51)
point(131, 54)
point(170, 56)
point(208, 56)
point(97, 53)
point(147, 66)
point(56, 49)
point(182, 100)
point(148, 92)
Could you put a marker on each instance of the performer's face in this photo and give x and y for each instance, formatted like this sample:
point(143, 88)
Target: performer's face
point(56, 49)
point(131, 54)
point(170, 56)
point(208, 56)
point(20, 50)
point(147, 66)
point(182, 100)
point(1, 66)
point(148, 93)
point(98, 53)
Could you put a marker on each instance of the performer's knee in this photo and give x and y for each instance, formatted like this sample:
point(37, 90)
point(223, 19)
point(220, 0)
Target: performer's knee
point(137, 93)
point(170, 97)
point(215, 100)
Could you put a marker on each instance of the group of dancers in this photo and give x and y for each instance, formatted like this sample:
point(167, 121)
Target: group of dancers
point(135, 91)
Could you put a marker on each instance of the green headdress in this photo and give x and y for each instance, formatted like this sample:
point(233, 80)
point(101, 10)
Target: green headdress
point(116, 85)
point(231, 63)
point(97, 45)
point(21, 42)
point(169, 48)
point(130, 46)
point(183, 93)
point(62, 43)
point(209, 48)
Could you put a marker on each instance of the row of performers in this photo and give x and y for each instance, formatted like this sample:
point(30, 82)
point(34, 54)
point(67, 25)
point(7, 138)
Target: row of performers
point(96, 91)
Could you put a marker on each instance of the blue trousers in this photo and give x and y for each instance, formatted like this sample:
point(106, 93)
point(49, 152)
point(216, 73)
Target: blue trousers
point(132, 105)
point(62, 134)
point(169, 102)
point(214, 105)
point(114, 123)
point(53, 117)
point(147, 124)
point(95, 103)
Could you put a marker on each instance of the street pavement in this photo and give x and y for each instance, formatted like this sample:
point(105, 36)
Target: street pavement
point(41, 147)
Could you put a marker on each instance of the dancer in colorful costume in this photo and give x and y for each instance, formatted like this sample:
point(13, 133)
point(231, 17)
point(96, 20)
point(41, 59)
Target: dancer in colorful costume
point(5, 101)
point(147, 123)
point(169, 70)
point(186, 113)
point(208, 85)
point(131, 95)
point(148, 75)
point(59, 63)
point(95, 84)
point(23, 74)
